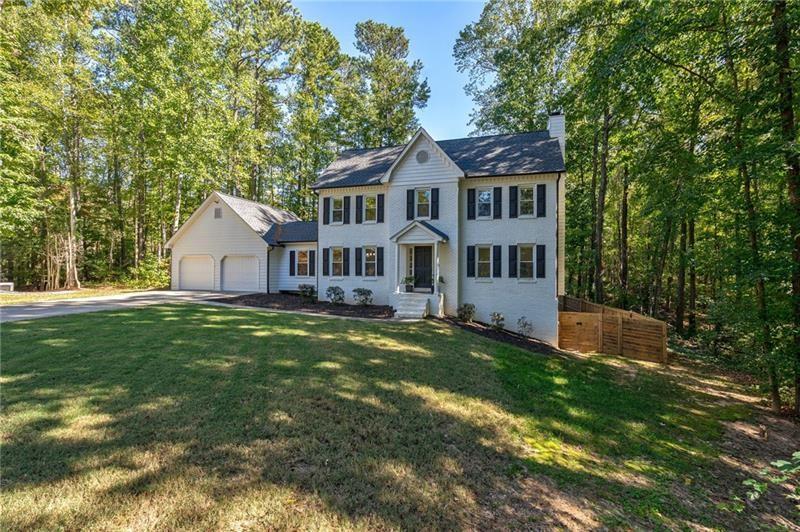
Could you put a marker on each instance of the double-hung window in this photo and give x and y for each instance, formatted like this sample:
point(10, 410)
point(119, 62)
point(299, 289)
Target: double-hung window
point(526, 200)
point(371, 208)
point(302, 263)
point(423, 201)
point(484, 269)
point(484, 203)
point(337, 262)
point(370, 261)
point(525, 254)
point(337, 210)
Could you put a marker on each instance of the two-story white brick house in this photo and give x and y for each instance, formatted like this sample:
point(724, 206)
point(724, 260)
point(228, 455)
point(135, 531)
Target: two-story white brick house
point(476, 220)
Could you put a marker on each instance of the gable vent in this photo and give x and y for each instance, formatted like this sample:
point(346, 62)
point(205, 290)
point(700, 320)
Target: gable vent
point(217, 212)
point(422, 156)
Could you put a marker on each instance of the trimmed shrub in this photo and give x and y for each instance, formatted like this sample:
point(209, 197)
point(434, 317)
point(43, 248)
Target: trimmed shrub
point(335, 294)
point(524, 327)
point(466, 312)
point(363, 296)
point(498, 321)
point(308, 291)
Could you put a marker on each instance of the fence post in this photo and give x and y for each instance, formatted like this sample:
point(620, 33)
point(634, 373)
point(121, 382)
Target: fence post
point(619, 335)
point(664, 342)
point(601, 347)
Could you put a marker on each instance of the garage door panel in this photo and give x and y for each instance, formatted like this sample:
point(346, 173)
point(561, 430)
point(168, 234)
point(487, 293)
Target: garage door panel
point(197, 273)
point(240, 273)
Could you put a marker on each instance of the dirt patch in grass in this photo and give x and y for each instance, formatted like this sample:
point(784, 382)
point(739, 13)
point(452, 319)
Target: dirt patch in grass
point(297, 303)
point(531, 344)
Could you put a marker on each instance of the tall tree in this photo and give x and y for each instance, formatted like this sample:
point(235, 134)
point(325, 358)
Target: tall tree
point(392, 85)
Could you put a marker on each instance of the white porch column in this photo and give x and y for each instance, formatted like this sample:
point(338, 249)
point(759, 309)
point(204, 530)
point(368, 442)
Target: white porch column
point(396, 267)
point(436, 267)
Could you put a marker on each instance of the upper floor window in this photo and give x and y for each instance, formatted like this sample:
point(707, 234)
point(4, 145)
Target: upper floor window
point(526, 200)
point(484, 203)
point(370, 261)
point(337, 210)
point(302, 263)
point(525, 261)
point(370, 208)
point(484, 269)
point(423, 201)
point(337, 262)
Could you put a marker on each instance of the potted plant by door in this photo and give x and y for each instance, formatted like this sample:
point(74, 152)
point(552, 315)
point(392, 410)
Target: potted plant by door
point(409, 283)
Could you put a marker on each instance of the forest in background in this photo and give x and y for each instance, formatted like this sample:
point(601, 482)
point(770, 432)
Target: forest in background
point(118, 117)
point(682, 156)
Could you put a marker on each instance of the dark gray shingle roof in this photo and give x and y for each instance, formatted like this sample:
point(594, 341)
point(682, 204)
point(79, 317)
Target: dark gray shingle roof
point(511, 154)
point(258, 216)
point(521, 153)
point(291, 232)
point(358, 167)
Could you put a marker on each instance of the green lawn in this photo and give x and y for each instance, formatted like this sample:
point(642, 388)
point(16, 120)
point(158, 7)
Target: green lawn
point(19, 298)
point(204, 417)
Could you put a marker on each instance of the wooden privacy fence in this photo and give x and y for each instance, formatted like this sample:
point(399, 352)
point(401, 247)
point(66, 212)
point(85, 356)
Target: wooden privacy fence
point(586, 326)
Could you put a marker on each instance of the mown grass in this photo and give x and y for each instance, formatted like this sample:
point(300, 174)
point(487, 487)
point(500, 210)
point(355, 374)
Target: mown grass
point(19, 298)
point(183, 416)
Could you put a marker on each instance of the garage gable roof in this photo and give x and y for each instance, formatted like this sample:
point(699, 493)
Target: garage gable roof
point(257, 216)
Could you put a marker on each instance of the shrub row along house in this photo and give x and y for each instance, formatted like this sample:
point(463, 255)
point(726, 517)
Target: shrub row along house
point(427, 226)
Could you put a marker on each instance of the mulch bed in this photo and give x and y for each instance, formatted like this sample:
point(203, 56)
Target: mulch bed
point(297, 303)
point(525, 342)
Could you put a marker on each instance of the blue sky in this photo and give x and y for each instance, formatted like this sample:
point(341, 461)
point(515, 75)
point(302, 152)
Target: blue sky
point(432, 28)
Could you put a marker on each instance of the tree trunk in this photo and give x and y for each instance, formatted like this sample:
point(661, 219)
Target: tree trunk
point(680, 304)
point(599, 296)
point(73, 283)
point(593, 244)
point(792, 161)
point(623, 242)
point(176, 212)
point(692, 331)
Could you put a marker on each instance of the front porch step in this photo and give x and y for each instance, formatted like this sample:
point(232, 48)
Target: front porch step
point(411, 305)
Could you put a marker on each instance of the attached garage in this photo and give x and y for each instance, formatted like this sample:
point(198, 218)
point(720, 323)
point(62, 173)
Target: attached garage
point(223, 245)
point(240, 273)
point(197, 272)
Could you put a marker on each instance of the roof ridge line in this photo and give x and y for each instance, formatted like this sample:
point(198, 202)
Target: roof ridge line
point(257, 203)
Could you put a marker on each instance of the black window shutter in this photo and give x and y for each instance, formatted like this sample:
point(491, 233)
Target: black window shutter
point(291, 263)
point(358, 261)
point(497, 266)
point(470, 204)
point(540, 261)
point(541, 201)
point(512, 261)
point(326, 261)
point(346, 216)
point(497, 196)
point(326, 211)
point(410, 204)
point(359, 208)
point(312, 262)
point(379, 266)
point(434, 204)
point(380, 208)
point(512, 202)
point(470, 261)
point(345, 261)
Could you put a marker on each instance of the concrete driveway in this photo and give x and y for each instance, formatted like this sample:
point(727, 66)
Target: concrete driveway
point(47, 309)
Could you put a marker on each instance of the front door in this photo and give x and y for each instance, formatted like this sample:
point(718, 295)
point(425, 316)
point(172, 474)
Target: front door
point(423, 267)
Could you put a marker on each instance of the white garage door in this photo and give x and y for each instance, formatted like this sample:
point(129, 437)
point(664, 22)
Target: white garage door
point(240, 274)
point(197, 273)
